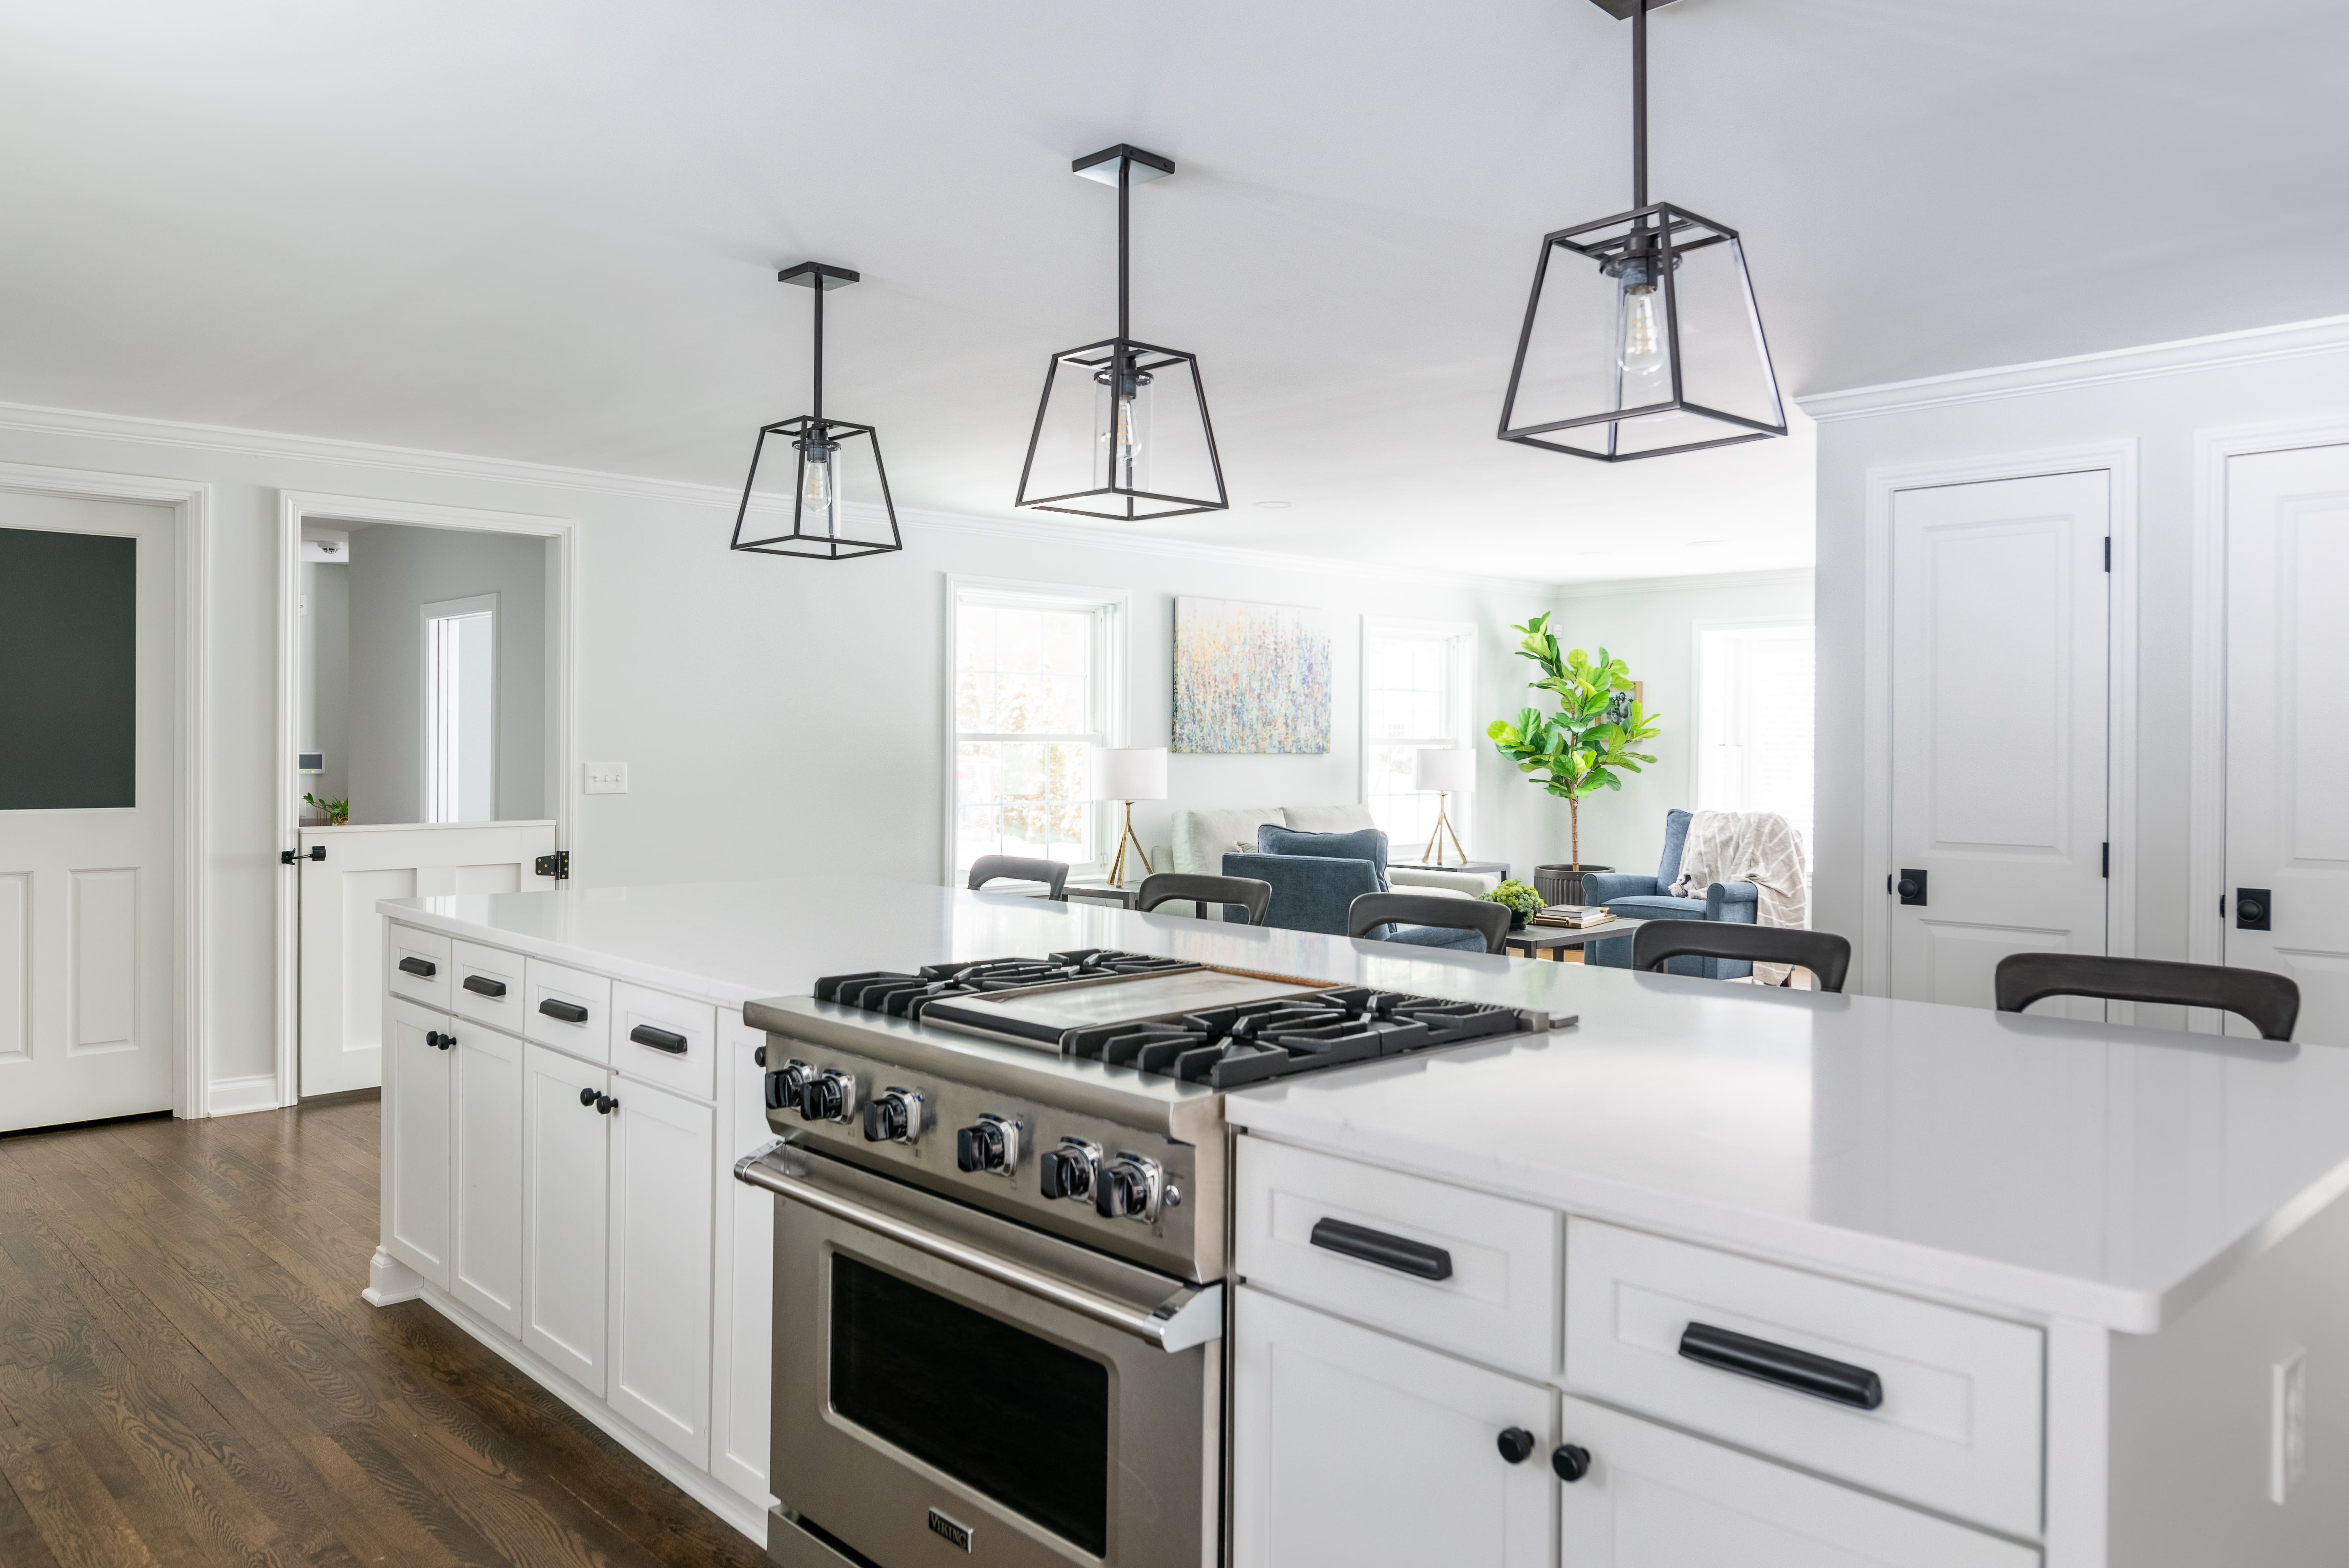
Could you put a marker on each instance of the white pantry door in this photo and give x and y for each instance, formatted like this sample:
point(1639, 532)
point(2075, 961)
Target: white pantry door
point(342, 935)
point(88, 875)
point(1999, 613)
point(2288, 728)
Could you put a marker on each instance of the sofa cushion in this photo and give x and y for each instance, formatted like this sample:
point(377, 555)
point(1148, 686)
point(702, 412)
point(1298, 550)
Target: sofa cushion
point(1658, 906)
point(1329, 818)
point(1366, 844)
point(1668, 869)
point(1202, 838)
point(1309, 892)
point(1421, 879)
point(1434, 936)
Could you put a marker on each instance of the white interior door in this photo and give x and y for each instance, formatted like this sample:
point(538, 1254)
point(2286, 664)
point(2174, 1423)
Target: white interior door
point(87, 878)
point(2000, 619)
point(342, 935)
point(2288, 728)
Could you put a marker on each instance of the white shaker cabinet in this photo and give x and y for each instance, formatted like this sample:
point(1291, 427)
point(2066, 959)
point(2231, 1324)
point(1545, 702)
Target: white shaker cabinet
point(662, 1146)
point(485, 1271)
point(417, 1075)
point(566, 1150)
point(1359, 1449)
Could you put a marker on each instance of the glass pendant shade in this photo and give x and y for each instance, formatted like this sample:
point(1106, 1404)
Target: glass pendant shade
point(1123, 430)
point(817, 488)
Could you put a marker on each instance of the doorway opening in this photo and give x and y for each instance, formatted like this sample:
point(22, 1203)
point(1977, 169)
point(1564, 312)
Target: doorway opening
point(461, 711)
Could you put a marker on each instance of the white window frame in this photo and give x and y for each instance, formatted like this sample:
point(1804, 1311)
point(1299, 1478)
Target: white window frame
point(1697, 629)
point(1467, 733)
point(1113, 610)
point(430, 706)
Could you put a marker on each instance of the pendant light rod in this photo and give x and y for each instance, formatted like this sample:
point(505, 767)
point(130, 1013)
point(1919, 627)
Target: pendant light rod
point(816, 396)
point(1125, 193)
point(1638, 103)
point(822, 279)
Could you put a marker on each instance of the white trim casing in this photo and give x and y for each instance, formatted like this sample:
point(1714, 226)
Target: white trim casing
point(2205, 811)
point(294, 509)
point(191, 505)
point(2118, 458)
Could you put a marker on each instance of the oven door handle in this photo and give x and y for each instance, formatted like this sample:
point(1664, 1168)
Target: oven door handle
point(1192, 1316)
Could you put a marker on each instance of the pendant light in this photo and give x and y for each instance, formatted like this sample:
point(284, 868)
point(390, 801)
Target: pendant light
point(1641, 337)
point(834, 468)
point(1122, 432)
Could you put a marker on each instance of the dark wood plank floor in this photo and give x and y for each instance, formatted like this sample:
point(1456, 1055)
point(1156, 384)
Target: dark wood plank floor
point(188, 1375)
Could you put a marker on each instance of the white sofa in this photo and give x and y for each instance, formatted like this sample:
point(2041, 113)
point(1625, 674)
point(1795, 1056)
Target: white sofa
point(1202, 838)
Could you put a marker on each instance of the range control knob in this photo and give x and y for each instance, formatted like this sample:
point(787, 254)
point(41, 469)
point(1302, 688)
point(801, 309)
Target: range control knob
point(786, 1084)
point(894, 1116)
point(829, 1096)
point(1128, 1189)
point(1067, 1172)
point(989, 1146)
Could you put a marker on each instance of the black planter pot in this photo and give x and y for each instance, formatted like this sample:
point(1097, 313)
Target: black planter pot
point(1563, 885)
point(1516, 920)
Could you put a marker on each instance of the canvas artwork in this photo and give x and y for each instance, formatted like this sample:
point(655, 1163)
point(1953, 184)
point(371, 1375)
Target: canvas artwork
point(1250, 677)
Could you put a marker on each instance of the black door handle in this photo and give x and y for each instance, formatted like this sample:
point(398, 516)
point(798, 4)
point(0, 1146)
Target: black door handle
point(1398, 1252)
point(1910, 886)
point(483, 986)
point(1782, 1365)
point(569, 1012)
point(317, 851)
point(2254, 909)
point(658, 1039)
point(422, 968)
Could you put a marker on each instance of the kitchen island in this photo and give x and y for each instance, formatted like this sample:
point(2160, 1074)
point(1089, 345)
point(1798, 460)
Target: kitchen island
point(2089, 1266)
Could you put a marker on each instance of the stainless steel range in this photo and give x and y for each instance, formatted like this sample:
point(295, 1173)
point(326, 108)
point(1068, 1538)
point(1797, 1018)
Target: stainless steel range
point(999, 1301)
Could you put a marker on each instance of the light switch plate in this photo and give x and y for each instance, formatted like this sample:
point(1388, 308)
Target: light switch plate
point(2288, 1425)
point(607, 779)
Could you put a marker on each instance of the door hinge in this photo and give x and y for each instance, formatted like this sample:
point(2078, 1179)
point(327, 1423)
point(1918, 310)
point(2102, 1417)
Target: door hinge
point(2109, 553)
point(556, 865)
point(2108, 859)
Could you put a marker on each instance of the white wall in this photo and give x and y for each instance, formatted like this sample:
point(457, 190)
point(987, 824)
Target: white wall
point(394, 572)
point(2159, 398)
point(1651, 626)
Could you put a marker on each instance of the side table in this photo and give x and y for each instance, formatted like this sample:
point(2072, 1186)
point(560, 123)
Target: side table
point(1536, 940)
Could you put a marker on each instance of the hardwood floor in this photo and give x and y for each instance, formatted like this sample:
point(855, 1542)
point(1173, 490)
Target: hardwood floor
point(188, 1375)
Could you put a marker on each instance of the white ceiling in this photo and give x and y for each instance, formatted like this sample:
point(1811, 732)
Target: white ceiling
point(550, 231)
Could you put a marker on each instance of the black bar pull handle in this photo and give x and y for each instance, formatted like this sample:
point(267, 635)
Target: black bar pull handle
point(422, 968)
point(1782, 1365)
point(1398, 1252)
point(483, 986)
point(569, 1012)
point(658, 1039)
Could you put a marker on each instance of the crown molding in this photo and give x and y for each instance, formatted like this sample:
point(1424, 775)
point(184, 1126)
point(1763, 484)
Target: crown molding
point(1615, 587)
point(2292, 340)
point(34, 419)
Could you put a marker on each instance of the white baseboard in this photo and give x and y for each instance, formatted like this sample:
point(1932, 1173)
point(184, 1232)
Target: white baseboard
point(237, 1095)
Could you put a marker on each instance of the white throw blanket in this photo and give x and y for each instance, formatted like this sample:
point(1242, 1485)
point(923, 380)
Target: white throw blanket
point(1759, 847)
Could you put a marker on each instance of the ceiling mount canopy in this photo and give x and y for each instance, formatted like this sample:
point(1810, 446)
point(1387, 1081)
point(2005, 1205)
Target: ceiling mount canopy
point(833, 486)
point(1641, 337)
point(1121, 431)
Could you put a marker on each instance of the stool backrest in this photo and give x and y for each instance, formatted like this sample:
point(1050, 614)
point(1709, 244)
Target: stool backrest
point(2270, 1002)
point(1373, 910)
point(1017, 868)
point(1826, 956)
point(1163, 887)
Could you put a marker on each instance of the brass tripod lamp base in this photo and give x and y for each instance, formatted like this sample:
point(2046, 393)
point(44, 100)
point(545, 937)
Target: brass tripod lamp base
point(1117, 866)
point(1434, 854)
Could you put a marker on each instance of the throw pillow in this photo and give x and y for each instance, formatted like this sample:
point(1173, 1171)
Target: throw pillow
point(1367, 844)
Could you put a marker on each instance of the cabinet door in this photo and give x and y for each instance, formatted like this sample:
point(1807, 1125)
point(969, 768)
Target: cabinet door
point(1352, 1447)
point(742, 1352)
point(566, 1189)
point(486, 1274)
point(416, 1138)
point(662, 1146)
point(1654, 1498)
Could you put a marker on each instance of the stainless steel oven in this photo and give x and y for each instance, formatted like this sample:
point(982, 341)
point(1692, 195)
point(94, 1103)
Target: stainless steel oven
point(950, 1384)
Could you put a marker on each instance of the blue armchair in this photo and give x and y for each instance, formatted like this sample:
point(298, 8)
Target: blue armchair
point(1646, 898)
point(1317, 876)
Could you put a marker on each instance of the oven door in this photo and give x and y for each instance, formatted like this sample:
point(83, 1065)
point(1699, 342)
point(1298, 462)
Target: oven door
point(947, 1382)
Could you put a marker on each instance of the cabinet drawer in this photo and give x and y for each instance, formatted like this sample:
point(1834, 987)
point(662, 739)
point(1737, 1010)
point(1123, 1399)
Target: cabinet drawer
point(1459, 1270)
point(679, 1050)
point(485, 983)
point(571, 991)
point(1958, 1426)
point(423, 951)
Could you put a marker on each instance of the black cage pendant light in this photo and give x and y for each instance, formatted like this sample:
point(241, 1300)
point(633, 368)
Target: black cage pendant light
point(832, 487)
point(1123, 429)
point(1641, 337)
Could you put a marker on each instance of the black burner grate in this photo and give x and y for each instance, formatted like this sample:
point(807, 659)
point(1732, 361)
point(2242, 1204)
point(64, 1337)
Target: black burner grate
point(903, 995)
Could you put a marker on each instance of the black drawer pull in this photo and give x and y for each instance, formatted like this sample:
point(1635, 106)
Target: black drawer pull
point(483, 986)
point(422, 968)
point(658, 1039)
point(1416, 1258)
point(1789, 1368)
point(569, 1012)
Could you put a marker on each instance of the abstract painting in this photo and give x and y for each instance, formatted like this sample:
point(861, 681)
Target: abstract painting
point(1250, 677)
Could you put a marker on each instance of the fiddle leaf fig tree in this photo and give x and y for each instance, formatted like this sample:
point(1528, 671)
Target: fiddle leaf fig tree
point(1585, 745)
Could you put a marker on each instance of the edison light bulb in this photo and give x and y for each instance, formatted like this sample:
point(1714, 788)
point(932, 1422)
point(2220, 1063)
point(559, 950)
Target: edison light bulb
point(1643, 367)
point(1122, 428)
point(819, 486)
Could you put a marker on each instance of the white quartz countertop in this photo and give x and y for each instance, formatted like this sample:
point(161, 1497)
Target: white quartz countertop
point(2093, 1172)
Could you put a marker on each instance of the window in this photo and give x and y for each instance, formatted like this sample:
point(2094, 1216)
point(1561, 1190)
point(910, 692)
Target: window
point(461, 711)
point(1038, 683)
point(1753, 721)
point(1418, 681)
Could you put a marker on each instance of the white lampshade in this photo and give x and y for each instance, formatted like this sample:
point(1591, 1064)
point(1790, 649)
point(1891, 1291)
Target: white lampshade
point(1130, 773)
point(1454, 772)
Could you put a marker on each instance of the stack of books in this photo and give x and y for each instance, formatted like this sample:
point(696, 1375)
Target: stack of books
point(1573, 916)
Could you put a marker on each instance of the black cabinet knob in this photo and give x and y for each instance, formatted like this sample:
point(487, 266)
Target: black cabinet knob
point(606, 1105)
point(1516, 1444)
point(760, 1055)
point(586, 1097)
point(1570, 1461)
point(432, 1038)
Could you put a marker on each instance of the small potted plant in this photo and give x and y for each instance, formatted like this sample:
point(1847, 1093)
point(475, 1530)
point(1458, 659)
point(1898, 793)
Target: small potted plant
point(338, 813)
point(1519, 898)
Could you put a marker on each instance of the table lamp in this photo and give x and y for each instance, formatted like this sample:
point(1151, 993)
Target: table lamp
point(1448, 773)
point(1128, 773)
